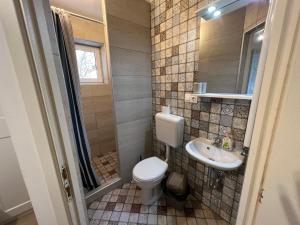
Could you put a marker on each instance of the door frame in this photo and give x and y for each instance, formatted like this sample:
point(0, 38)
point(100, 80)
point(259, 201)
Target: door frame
point(283, 18)
point(27, 122)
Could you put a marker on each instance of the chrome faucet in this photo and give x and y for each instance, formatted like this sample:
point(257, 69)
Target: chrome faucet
point(217, 141)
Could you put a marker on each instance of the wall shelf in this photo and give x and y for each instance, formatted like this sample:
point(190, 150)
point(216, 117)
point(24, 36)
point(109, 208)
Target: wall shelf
point(224, 95)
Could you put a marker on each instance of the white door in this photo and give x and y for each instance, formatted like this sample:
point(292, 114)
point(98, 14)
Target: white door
point(44, 47)
point(280, 204)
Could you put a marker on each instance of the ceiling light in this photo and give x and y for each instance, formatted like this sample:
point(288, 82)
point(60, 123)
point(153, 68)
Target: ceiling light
point(211, 9)
point(260, 37)
point(217, 13)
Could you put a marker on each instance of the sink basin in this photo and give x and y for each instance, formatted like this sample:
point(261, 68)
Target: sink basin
point(202, 150)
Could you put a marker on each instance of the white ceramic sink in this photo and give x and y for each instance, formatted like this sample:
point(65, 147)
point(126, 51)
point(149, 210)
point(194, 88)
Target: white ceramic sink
point(203, 150)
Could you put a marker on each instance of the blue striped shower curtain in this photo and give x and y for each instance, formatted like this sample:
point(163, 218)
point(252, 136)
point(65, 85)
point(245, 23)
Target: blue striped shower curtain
point(68, 60)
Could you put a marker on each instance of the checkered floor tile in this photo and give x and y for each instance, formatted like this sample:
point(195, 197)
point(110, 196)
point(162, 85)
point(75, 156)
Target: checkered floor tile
point(123, 207)
point(106, 167)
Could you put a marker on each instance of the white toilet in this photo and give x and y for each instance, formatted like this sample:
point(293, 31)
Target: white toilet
point(148, 173)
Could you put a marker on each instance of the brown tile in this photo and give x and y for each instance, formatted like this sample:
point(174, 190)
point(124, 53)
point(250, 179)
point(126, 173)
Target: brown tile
point(135, 208)
point(110, 206)
point(105, 163)
point(161, 210)
point(175, 50)
point(157, 30)
point(184, 4)
point(163, 70)
point(194, 132)
point(192, 163)
point(169, 4)
point(241, 111)
point(163, 36)
point(112, 172)
point(121, 199)
point(174, 86)
point(195, 115)
point(189, 212)
point(162, 101)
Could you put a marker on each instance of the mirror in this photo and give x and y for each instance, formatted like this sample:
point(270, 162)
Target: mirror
point(229, 48)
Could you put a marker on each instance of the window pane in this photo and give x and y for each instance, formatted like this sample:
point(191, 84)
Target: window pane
point(86, 62)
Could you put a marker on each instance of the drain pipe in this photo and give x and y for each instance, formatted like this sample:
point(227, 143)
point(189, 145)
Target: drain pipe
point(167, 153)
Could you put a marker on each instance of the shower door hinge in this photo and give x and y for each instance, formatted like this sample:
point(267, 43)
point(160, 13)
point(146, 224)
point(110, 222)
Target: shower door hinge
point(66, 182)
point(261, 195)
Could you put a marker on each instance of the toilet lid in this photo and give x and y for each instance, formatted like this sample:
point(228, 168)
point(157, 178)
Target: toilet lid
point(150, 169)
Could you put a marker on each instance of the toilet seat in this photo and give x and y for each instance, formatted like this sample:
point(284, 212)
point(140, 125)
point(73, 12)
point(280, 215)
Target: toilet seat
point(150, 170)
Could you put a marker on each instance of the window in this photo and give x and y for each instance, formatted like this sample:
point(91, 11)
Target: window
point(89, 63)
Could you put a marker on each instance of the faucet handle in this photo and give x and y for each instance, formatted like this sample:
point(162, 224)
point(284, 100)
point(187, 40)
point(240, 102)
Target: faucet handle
point(217, 141)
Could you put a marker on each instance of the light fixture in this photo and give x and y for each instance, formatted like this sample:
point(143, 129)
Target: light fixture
point(217, 13)
point(260, 37)
point(211, 9)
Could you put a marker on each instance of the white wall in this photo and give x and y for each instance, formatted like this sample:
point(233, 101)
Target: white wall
point(14, 198)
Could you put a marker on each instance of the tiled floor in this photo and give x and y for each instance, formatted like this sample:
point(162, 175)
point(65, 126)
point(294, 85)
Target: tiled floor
point(26, 219)
point(123, 207)
point(106, 167)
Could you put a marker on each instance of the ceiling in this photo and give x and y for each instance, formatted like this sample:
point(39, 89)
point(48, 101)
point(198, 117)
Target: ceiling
point(88, 8)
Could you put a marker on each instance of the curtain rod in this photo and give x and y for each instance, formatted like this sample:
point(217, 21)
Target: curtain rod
point(79, 16)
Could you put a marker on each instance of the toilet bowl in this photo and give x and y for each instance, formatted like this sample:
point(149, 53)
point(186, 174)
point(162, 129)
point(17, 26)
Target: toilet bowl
point(148, 174)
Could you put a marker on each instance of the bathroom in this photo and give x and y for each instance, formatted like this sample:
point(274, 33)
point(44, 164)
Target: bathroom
point(161, 89)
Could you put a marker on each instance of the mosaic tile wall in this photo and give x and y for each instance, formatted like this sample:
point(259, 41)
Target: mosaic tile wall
point(174, 40)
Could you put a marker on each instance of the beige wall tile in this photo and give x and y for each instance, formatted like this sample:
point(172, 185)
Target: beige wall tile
point(125, 34)
point(131, 87)
point(130, 62)
point(98, 117)
point(102, 104)
point(133, 109)
point(87, 30)
point(136, 11)
point(90, 121)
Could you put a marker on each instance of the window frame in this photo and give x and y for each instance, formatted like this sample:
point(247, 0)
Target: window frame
point(95, 47)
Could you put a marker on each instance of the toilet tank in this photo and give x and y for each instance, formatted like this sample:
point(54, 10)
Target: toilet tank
point(169, 129)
